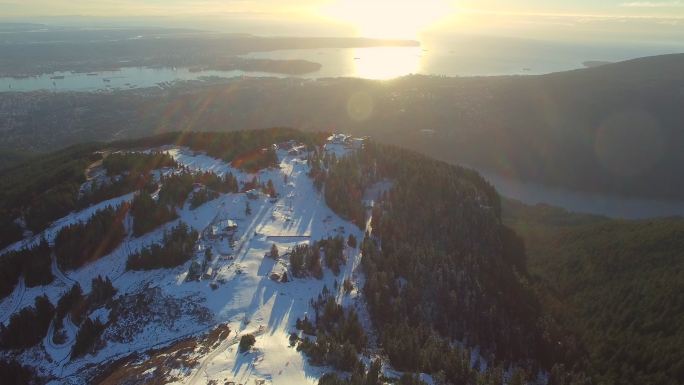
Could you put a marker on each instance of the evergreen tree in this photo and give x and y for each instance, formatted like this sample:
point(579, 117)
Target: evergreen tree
point(207, 255)
point(270, 189)
point(373, 376)
point(351, 241)
point(102, 290)
point(149, 214)
point(29, 326)
point(87, 337)
point(13, 373)
point(69, 301)
point(274, 251)
point(246, 342)
point(177, 247)
point(81, 243)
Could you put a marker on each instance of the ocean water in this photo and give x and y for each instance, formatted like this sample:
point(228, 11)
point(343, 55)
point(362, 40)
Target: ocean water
point(581, 202)
point(469, 56)
point(125, 78)
point(445, 56)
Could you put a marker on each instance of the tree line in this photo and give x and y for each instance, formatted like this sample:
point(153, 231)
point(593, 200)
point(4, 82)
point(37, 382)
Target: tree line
point(440, 267)
point(41, 190)
point(78, 305)
point(305, 260)
point(339, 336)
point(257, 159)
point(148, 213)
point(34, 263)
point(101, 190)
point(227, 146)
point(119, 163)
point(29, 326)
point(176, 248)
point(84, 242)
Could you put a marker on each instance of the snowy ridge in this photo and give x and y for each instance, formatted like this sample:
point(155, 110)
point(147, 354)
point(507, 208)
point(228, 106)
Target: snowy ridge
point(236, 287)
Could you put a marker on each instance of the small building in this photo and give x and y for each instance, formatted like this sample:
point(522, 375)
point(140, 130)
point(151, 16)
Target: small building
point(226, 226)
point(209, 274)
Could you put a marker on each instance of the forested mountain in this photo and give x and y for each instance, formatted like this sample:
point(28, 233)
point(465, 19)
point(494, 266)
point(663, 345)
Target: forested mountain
point(441, 267)
point(618, 285)
point(369, 262)
point(128, 207)
point(10, 158)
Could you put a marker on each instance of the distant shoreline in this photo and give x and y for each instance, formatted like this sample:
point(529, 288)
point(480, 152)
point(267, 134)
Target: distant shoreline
point(595, 63)
point(210, 52)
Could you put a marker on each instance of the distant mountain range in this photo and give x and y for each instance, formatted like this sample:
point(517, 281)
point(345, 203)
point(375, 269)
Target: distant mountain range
point(615, 129)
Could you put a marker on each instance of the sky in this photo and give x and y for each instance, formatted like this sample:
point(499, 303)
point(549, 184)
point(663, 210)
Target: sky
point(578, 19)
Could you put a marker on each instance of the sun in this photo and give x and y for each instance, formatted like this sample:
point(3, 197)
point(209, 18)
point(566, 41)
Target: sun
point(388, 18)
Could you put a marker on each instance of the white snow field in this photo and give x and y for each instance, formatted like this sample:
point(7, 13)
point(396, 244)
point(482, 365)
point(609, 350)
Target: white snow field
point(238, 289)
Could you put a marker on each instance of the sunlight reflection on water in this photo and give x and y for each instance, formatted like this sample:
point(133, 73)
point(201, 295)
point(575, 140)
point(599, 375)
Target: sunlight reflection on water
point(367, 63)
point(386, 62)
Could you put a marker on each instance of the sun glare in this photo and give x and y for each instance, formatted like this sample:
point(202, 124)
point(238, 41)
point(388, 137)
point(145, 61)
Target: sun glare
point(386, 62)
point(389, 19)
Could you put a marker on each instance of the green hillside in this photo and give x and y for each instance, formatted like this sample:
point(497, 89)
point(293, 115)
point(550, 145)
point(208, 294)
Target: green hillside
point(619, 285)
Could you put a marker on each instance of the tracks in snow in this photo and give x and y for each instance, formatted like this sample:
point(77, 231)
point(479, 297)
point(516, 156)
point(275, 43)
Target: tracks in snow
point(222, 348)
point(60, 352)
point(11, 304)
point(57, 272)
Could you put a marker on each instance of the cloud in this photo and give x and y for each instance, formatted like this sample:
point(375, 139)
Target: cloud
point(151, 7)
point(653, 4)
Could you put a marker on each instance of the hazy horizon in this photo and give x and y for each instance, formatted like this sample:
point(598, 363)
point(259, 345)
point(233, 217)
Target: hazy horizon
point(653, 22)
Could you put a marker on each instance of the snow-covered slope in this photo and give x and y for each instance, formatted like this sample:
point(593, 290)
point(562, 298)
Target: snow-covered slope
point(236, 288)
